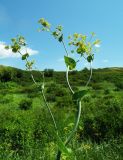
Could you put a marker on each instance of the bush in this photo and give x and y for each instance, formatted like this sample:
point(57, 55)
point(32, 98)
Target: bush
point(104, 123)
point(6, 98)
point(87, 98)
point(48, 72)
point(119, 85)
point(25, 104)
point(107, 91)
point(51, 98)
point(56, 90)
point(64, 102)
point(96, 86)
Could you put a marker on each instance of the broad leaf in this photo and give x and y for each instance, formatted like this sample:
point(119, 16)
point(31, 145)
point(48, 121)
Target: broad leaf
point(25, 56)
point(61, 38)
point(16, 47)
point(90, 58)
point(78, 95)
point(70, 62)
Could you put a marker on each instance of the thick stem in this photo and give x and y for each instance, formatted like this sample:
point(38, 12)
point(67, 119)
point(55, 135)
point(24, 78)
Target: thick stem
point(76, 124)
point(90, 75)
point(67, 78)
point(58, 156)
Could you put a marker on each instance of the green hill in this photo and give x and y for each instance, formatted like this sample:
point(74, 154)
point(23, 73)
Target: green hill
point(26, 129)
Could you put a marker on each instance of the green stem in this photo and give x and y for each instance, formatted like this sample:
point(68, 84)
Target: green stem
point(76, 124)
point(65, 48)
point(58, 157)
point(91, 71)
point(43, 95)
point(53, 119)
point(67, 78)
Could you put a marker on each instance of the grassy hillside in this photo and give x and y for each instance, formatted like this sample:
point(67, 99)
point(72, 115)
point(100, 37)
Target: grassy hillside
point(26, 129)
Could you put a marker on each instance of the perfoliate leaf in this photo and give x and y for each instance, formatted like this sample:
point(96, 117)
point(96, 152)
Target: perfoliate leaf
point(70, 62)
point(16, 47)
point(25, 56)
point(79, 50)
point(61, 38)
point(90, 58)
point(78, 95)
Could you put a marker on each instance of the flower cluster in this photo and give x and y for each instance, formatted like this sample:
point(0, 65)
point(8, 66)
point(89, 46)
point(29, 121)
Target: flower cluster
point(81, 45)
point(16, 45)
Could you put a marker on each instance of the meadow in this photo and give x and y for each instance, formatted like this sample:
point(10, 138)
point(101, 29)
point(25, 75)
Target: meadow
point(26, 130)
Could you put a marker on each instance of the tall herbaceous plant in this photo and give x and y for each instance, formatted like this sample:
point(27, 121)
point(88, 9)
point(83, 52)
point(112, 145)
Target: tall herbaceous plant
point(82, 47)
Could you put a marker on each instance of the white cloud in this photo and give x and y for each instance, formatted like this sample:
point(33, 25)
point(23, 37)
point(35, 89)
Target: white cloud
point(105, 61)
point(97, 45)
point(9, 54)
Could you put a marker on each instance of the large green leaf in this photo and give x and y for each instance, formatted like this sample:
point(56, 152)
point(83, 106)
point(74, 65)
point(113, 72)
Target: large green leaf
point(78, 95)
point(16, 47)
point(70, 62)
point(90, 58)
point(25, 56)
point(60, 38)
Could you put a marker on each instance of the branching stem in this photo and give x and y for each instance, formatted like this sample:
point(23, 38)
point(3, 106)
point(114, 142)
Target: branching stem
point(43, 95)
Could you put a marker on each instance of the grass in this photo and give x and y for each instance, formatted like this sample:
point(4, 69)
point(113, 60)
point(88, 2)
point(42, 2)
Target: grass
point(28, 134)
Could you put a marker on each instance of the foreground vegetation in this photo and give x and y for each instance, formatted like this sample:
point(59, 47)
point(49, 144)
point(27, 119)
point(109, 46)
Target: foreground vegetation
point(26, 131)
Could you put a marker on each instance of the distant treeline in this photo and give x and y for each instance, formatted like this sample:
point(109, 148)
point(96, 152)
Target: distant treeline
point(113, 75)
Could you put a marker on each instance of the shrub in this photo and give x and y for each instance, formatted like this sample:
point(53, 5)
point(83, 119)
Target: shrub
point(50, 98)
point(104, 123)
point(96, 86)
point(25, 104)
point(64, 102)
point(6, 99)
point(48, 72)
point(107, 91)
point(119, 85)
point(56, 90)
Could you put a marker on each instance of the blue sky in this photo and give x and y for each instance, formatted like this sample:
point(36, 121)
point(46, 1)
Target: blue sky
point(104, 17)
